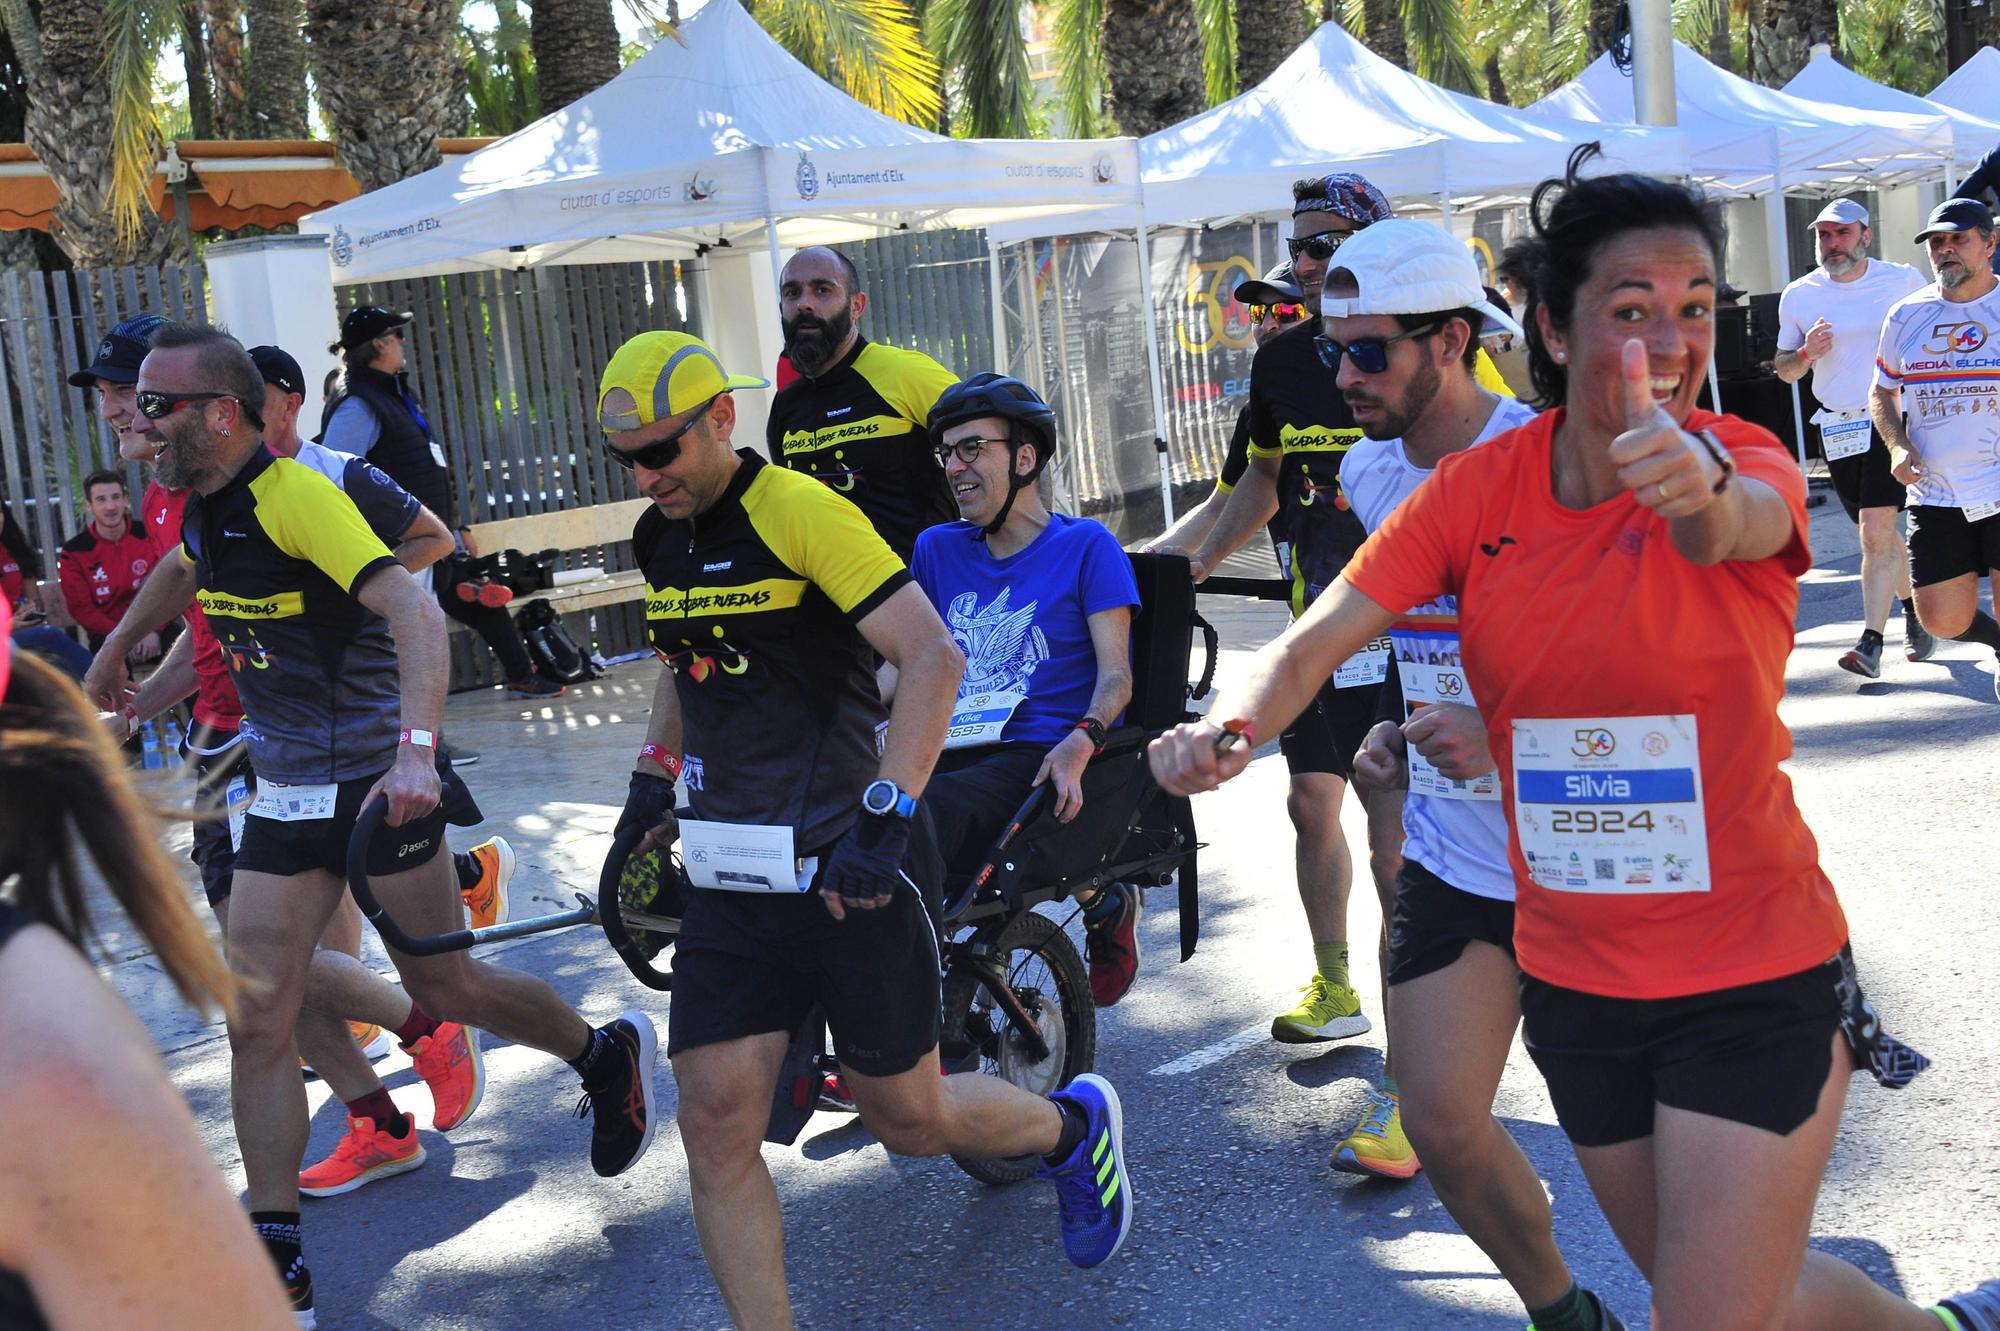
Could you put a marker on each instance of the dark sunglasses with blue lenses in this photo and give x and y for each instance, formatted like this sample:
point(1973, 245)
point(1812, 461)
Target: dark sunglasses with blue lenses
point(1369, 354)
point(661, 452)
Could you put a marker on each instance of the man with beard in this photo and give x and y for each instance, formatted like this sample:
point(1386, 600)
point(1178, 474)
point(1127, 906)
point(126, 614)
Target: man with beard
point(1300, 429)
point(855, 417)
point(1936, 403)
point(1828, 324)
point(336, 646)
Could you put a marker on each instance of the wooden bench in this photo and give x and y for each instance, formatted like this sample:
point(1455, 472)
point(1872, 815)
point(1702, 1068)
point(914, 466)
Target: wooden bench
point(571, 531)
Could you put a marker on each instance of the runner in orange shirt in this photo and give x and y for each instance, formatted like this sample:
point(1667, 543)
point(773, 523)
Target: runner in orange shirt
point(1625, 571)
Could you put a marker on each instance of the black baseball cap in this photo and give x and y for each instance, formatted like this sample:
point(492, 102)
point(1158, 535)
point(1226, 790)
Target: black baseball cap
point(118, 355)
point(1277, 287)
point(365, 322)
point(1956, 215)
point(279, 369)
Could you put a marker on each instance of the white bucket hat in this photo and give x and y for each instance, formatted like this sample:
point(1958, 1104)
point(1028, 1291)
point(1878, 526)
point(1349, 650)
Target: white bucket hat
point(1403, 266)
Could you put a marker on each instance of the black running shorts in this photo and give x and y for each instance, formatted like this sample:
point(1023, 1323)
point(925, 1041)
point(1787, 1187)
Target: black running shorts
point(1758, 1054)
point(1433, 921)
point(1328, 733)
point(287, 847)
point(218, 758)
point(1864, 480)
point(749, 963)
point(1943, 545)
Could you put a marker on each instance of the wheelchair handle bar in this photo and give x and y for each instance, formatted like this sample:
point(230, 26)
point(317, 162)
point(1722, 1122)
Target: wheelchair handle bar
point(612, 919)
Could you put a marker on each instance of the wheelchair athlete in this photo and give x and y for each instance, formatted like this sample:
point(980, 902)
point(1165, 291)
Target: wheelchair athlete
point(768, 595)
point(1041, 605)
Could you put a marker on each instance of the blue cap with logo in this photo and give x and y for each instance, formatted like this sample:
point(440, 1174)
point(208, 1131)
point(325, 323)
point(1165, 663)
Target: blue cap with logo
point(119, 353)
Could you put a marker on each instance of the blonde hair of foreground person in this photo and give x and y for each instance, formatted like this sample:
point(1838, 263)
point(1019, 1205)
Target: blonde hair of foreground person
point(113, 1213)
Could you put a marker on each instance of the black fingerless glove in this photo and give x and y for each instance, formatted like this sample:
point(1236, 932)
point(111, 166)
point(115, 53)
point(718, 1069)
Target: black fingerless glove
point(864, 863)
point(648, 800)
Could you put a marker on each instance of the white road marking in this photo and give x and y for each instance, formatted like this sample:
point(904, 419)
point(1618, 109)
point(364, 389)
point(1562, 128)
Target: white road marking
point(1214, 1053)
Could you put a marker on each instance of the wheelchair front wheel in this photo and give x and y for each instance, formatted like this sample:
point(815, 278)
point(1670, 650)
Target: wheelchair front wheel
point(1040, 965)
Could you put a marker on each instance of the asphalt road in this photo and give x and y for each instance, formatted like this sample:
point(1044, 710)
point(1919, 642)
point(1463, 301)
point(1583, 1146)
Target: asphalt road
point(1239, 1222)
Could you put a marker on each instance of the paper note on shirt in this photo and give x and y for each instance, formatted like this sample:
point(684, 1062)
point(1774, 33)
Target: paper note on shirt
point(739, 857)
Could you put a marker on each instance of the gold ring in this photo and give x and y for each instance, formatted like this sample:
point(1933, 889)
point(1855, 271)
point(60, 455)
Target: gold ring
point(1662, 488)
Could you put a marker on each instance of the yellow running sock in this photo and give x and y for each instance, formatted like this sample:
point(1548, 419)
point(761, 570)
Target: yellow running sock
point(1331, 958)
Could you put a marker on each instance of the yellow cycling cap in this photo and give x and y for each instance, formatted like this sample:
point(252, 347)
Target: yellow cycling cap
point(660, 374)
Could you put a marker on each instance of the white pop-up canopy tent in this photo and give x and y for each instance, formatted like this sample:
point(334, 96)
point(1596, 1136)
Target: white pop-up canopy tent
point(1745, 139)
point(1825, 79)
point(1974, 86)
point(1335, 105)
point(708, 139)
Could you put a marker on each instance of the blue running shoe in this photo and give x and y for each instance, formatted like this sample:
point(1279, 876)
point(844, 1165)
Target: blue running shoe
point(1092, 1187)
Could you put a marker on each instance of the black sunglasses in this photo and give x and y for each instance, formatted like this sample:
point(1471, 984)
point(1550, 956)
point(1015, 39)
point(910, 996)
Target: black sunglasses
point(1319, 246)
point(156, 406)
point(1369, 354)
point(661, 452)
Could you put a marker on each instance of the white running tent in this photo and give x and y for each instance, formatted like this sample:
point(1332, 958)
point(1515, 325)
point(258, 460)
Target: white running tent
point(1825, 79)
point(1335, 105)
point(1974, 86)
point(717, 137)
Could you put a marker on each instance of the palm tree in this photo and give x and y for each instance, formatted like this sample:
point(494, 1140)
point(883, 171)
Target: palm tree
point(222, 23)
point(576, 49)
point(1897, 42)
point(387, 74)
point(1153, 63)
point(1382, 31)
point(871, 49)
point(1266, 32)
point(981, 44)
point(276, 91)
point(1782, 34)
point(502, 83)
point(88, 71)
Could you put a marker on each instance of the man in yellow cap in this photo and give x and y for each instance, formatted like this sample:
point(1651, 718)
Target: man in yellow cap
point(814, 877)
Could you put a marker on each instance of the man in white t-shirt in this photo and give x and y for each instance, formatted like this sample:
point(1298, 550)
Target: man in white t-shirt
point(1937, 404)
point(1829, 322)
point(1402, 315)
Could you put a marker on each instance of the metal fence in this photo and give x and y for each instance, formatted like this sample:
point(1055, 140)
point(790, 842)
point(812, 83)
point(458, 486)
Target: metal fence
point(929, 290)
point(50, 436)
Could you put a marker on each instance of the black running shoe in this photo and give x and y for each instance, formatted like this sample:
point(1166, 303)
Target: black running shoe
point(1918, 644)
point(1974, 1310)
point(620, 1105)
point(299, 1291)
point(1864, 658)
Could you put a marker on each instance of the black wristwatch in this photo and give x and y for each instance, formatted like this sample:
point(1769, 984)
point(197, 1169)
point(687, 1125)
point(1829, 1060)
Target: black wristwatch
point(1094, 729)
point(884, 798)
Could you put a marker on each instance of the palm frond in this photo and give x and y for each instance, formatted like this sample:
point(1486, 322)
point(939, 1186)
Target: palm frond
point(1436, 33)
point(870, 48)
point(1217, 20)
point(1568, 50)
point(1077, 36)
point(1350, 15)
point(135, 32)
point(982, 44)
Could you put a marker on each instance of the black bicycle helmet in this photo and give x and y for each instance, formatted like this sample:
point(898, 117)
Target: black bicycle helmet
point(1028, 418)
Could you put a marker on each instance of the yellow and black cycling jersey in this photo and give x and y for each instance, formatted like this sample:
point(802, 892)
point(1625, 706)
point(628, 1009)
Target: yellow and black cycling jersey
point(279, 552)
point(861, 428)
point(1298, 416)
point(753, 605)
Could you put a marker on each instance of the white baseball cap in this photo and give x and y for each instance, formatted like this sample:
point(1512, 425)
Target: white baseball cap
point(1403, 266)
point(1842, 212)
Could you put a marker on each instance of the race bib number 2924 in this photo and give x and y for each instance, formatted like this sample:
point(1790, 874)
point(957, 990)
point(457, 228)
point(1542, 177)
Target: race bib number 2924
point(1611, 804)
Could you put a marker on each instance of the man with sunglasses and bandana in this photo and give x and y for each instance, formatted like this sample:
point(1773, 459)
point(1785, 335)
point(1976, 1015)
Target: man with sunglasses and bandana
point(335, 648)
point(854, 417)
point(813, 875)
point(1274, 303)
point(1300, 430)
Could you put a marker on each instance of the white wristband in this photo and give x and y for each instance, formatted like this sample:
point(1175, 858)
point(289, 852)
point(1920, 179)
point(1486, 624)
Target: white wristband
point(422, 738)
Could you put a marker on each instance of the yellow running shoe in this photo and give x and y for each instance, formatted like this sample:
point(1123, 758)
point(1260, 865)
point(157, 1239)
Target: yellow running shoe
point(1328, 1011)
point(486, 900)
point(374, 1041)
point(1377, 1146)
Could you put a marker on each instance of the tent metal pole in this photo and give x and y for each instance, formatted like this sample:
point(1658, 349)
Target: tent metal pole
point(1153, 369)
point(777, 267)
point(1653, 96)
point(1714, 383)
point(1002, 360)
point(1799, 425)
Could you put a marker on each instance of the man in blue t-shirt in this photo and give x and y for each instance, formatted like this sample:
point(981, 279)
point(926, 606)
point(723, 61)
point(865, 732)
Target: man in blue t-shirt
point(1041, 604)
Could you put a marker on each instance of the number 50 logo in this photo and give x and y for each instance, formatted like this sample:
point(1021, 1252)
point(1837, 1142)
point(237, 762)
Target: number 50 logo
point(1211, 316)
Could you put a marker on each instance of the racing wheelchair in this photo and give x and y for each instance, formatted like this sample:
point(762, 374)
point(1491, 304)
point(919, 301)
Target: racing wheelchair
point(1016, 995)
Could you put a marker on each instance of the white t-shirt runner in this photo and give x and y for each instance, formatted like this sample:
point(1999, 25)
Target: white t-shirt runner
point(1841, 379)
point(1456, 829)
point(1945, 357)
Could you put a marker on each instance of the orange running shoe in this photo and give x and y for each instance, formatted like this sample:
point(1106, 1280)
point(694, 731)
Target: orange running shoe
point(449, 1061)
point(486, 900)
point(374, 1041)
point(365, 1154)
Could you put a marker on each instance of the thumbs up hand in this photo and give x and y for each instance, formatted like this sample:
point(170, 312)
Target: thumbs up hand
point(1666, 469)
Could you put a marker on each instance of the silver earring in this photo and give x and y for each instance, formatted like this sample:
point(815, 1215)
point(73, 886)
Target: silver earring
point(225, 432)
point(1562, 357)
